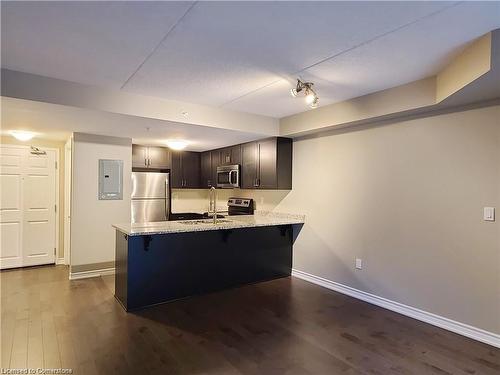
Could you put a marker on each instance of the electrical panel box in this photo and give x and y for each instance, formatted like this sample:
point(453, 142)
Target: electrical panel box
point(110, 179)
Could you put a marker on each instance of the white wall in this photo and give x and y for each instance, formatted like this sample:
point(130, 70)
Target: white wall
point(92, 237)
point(408, 199)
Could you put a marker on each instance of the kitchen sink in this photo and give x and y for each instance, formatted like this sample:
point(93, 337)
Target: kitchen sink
point(206, 221)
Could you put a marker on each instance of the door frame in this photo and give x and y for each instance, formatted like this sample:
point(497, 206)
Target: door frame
point(57, 175)
point(68, 171)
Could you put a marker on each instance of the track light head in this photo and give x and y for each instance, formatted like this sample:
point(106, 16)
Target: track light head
point(310, 95)
point(310, 98)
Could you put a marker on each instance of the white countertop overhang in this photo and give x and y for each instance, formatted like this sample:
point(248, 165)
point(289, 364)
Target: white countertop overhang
point(260, 219)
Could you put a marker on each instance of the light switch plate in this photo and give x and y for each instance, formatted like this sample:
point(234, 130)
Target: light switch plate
point(359, 263)
point(489, 214)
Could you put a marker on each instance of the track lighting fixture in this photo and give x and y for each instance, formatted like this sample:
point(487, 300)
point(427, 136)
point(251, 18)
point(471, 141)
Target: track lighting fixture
point(310, 95)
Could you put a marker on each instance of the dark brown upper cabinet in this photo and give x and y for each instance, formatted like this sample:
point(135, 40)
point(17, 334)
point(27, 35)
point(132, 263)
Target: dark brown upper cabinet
point(159, 157)
point(185, 171)
point(230, 155)
point(139, 156)
point(267, 164)
point(207, 172)
point(216, 161)
point(249, 165)
point(150, 157)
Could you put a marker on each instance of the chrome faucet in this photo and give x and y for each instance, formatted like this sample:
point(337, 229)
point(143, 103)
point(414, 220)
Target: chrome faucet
point(212, 208)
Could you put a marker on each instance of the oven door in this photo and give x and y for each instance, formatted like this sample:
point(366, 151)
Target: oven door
point(228, 177)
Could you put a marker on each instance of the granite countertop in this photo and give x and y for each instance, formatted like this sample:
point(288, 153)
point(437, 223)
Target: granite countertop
point(260, 219)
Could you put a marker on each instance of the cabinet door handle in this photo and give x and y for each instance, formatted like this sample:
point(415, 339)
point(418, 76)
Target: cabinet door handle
point(258, 168)
point(145, 162)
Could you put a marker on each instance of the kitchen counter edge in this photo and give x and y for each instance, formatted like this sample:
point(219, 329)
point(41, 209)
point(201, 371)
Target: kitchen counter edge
point(260, 219)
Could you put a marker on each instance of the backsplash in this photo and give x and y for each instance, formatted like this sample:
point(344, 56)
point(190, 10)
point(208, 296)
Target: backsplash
point(196, 200)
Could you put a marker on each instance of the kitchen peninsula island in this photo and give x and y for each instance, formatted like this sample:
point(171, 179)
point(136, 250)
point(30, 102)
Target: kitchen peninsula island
point(164, 261)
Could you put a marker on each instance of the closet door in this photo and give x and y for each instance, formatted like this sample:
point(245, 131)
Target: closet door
point(39, 209)
point(27, 207)
point(11, 210)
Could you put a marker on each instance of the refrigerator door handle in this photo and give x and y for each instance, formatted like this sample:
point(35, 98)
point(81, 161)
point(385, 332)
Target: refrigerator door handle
point(166, 200)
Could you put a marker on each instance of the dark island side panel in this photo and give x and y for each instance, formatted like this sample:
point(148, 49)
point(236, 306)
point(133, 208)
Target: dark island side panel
point(161, 268)
point(121, 255)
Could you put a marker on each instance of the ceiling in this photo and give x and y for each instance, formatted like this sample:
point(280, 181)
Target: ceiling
point(241, 55)
point(57, 122)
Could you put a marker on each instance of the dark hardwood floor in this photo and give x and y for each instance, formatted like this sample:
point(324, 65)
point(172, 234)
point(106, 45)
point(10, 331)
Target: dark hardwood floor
point(285, 326)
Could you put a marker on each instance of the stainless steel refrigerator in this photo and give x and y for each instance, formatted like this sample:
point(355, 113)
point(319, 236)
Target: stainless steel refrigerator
point(150, 197)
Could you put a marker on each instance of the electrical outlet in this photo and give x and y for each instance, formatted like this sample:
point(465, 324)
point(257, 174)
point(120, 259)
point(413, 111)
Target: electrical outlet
point(359, 263)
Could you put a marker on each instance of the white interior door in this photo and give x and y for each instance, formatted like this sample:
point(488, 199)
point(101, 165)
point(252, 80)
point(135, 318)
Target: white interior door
point(11, 210)
point(28, 211)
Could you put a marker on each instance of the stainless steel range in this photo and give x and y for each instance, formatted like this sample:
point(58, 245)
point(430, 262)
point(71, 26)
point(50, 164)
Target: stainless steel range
point(240, 206)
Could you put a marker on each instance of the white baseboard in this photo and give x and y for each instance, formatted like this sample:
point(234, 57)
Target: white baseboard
point(60, 261)
point(93, 273)
point(424, 316)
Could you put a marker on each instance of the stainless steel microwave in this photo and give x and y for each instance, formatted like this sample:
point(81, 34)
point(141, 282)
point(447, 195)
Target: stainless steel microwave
point(228, 176)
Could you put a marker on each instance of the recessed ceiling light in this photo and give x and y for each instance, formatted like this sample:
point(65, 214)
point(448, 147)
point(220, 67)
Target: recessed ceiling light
point(185, 113)
point(22, 135)
point(176, 144)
